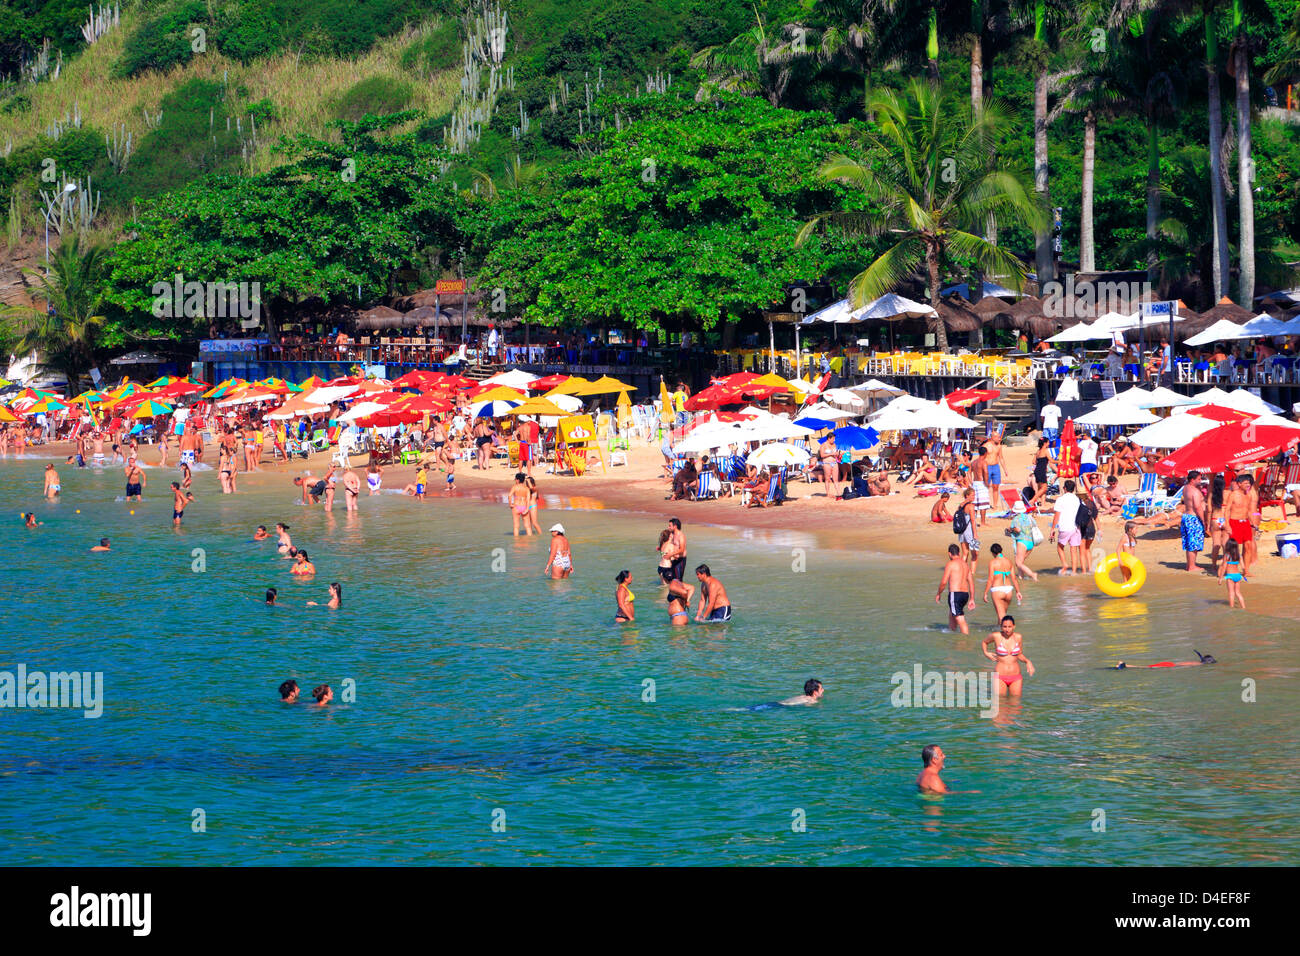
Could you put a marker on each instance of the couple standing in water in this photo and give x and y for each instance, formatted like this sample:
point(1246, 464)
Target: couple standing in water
point(522, 501)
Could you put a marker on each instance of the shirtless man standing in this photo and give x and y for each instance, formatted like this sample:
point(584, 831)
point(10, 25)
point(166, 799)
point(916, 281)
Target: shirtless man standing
point(980, 482)
point(1195, 519)
point(179, 500)
point(518, 501)
point(997, 467)
point(1241, 510)
point(714, 605)
point(959, 580)
point(135, 481)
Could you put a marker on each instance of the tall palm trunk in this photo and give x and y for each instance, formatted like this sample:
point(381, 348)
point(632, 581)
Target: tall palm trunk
point(1219, 266)
point(1087, 240)
point(1044, 261)
point(932, 266)
point(1153, 186)
point(978, 84)
point(1245, 163)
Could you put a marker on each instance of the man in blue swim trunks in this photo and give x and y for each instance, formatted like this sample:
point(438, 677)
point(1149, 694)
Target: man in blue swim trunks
point(714, 605)
point(1191, 526)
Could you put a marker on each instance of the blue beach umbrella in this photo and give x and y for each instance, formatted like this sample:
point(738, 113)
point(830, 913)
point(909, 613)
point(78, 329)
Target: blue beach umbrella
point(816, 424)
point(854, 438)
point(498, 408)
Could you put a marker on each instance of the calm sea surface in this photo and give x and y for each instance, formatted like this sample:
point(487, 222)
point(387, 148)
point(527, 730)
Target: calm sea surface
point(484, 692)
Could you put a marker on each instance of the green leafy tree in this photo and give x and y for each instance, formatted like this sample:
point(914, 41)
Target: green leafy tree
point(63, 328)
point(688, 214)
point(930, 185)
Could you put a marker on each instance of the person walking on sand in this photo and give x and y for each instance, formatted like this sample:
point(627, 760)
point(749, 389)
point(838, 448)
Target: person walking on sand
point(517, 502)
point(1242, 513)
point(1066, 533)
point(559, 564)
point(959, 580)
point(1195, 519)
point(997, 466)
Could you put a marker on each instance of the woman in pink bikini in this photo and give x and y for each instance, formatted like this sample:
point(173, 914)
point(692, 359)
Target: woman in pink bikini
point(1008, 648)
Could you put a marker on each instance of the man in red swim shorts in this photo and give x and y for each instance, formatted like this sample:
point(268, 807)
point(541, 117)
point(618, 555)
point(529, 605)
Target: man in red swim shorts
point(1242, 511)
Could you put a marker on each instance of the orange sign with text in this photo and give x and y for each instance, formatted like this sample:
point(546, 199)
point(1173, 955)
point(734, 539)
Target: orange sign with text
point(448, 286)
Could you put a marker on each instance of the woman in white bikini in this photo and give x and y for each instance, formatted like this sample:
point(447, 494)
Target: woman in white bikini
point(1002, 581)
point(374, 478)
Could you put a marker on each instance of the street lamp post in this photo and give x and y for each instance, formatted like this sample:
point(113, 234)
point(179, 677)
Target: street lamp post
point(68, 190)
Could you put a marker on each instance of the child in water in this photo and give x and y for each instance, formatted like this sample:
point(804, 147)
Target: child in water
point(1230, 570)
point(1127, 545)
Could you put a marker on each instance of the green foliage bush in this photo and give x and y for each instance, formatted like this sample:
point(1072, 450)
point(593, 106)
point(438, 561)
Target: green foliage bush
point(376, 95)
point(163, 41)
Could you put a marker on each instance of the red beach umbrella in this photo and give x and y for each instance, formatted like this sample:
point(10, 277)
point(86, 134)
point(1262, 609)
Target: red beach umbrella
point(1067, 462)
point(966, 397)
point(389, 417)
point(1220, 413)
point(1228, 448)
point(547, 383)
point(423, 403)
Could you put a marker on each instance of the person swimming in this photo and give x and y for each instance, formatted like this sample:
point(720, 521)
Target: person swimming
point(271, 594)
point(1201, 659)
point(289, 689)
point(102, 546)
point(335, 599)
point(302, 563)
point(323, 694)
point(261, 534)
point(812, 693)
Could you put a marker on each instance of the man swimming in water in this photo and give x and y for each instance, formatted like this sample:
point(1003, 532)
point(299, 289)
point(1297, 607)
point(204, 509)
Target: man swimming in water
point(102, 546)
point(812, 693)
point(289, 692)
point(713, 605)
point(261, 534)
point(1202, 659)
point(959, 580)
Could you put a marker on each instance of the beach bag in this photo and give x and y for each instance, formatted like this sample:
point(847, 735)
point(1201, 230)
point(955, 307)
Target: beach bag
point(1036, 534)
point(959, 521)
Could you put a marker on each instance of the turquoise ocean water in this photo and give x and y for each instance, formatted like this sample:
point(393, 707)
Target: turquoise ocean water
point(485, 692)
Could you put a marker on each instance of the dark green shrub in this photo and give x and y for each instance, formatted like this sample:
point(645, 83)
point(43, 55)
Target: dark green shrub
point(377, 95)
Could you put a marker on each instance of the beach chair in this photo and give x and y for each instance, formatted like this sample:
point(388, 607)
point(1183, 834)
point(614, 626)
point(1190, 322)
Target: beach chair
point(319, 440)
point(1163, 503)
point(1140, 499)
point(1286, 482)
point(1267, 498)
point(381, 452)
point(1010, 496)
point(341, 453)
point(293, 446)
point(707, 487)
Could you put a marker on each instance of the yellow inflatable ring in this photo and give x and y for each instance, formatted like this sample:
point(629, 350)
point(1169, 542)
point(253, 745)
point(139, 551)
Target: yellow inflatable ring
point(1108, 585)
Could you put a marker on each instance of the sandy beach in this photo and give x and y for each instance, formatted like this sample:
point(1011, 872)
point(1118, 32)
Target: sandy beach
point(895, 524)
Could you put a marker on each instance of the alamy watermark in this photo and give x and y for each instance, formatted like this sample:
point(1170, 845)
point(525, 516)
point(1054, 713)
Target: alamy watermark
point(922, 688)
point(213, 300)
point(77, 690)
point(1066, 301)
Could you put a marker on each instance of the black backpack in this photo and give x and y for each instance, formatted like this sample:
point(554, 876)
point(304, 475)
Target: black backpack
point(1086, 519)
point(960, 520)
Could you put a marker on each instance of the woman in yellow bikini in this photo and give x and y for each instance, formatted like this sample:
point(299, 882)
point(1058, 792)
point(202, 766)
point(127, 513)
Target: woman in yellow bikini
point(623, 598)
point(1009, 652)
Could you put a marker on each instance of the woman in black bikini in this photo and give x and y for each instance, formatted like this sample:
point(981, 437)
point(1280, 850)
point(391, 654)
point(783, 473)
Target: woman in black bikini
point(1041, 458)
point(677, 612)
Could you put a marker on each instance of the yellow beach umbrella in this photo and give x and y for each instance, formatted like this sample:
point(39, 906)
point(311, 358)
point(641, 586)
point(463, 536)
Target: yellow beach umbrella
point(314, 382)
point(539, 406)
point(151, 407)
point(6, 415)
point(571, 386)
point(46, 405)
point(162, 381)
point(665, 403)
point(605, 386)
point(501, 393)
point(770, 380)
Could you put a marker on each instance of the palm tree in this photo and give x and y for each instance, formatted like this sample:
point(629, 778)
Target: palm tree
point(760, 62)
point(517, 175)
point(931, 185)
point(64, 331)
point(1239, 57)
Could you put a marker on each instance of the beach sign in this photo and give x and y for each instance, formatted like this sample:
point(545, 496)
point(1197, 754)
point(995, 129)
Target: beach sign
point(577, 429)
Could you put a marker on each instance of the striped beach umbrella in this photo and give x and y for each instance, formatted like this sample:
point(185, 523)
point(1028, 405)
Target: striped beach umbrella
point(497, 408)
point(151, 408)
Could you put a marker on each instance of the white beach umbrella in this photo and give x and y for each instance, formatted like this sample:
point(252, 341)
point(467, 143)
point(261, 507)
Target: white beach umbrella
point(942, 417)
point(361, 410)
point(1212, 396)
point(874, 388)
point(710, 436)
point(1083, 332)
point(802, 385)
point(1116, 411)
point(837, 313)
point(822, 410)
point(893, 306)
point(778, 456)
point(1245, 401)
point(569, 403)
point(1174, 431)
point(773, 429)
point(1221, 331)
point(904, 403)
point(843, 396)
point(1159, 397)
point(515, 378)
point(329, 394)
point(1276, 420)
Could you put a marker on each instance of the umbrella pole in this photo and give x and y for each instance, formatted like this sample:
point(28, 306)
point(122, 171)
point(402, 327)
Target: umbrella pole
point(798, 355)
point(771, 332)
